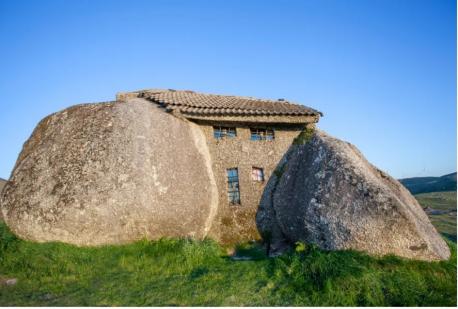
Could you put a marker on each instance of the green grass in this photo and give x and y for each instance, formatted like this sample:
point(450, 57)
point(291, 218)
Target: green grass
point(438, 200)
point(185, 272)
point(444, 223)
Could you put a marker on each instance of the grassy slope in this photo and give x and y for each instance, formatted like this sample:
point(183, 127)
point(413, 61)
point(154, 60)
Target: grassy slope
point(444, 223)
point(182, 272)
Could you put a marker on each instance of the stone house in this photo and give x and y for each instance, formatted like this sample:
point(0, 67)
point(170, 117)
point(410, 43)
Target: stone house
point(247, 137)
point(165, 163)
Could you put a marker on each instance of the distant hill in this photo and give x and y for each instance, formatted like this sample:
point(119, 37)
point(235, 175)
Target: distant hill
point(430, 184)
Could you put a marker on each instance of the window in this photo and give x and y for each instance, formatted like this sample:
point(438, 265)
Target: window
point(233, 191)
point(262, 134)
point(257, 174)
point(220, 132)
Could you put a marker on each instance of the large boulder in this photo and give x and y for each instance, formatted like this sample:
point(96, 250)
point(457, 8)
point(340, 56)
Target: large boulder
point(2, 184)
point(326, 193)
point(111, 173)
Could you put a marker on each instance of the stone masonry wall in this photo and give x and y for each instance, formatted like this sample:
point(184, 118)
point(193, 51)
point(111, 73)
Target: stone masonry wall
point(234, 223)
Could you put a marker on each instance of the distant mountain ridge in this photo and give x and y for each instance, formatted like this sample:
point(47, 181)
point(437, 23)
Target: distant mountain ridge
point(430, 184)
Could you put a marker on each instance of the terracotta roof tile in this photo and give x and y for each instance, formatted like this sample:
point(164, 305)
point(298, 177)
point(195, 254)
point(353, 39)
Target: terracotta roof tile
point(190, 102)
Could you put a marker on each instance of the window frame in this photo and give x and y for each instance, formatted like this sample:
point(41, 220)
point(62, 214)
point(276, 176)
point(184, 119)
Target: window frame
point(222, 132)
point(257, 174)
point(233, 186)
point(262, 134)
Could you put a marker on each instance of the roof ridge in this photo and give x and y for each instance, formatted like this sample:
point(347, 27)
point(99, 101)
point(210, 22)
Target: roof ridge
point(225, 103)
point(219, 95)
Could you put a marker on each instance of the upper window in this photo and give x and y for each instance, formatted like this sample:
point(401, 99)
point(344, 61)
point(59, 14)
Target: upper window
point(262, 134)
point(257, 174)
point(233, 191)
point(220, 132)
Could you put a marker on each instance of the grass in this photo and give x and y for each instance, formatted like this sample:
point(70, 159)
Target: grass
point(444, 223)
point(438, 200)
point(184, 272)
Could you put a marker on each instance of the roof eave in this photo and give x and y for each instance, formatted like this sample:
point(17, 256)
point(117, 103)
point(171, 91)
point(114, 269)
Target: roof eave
point(270, 119)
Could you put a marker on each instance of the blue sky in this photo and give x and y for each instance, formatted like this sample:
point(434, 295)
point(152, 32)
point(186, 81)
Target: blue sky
point(382, 72)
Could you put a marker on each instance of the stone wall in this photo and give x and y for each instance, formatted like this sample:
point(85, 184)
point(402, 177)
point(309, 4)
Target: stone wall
point(234, 223)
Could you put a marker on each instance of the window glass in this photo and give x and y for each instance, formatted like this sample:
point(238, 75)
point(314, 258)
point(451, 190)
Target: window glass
point(233, 190)
point(220, 132)
point(262, 134)
point(257, 174)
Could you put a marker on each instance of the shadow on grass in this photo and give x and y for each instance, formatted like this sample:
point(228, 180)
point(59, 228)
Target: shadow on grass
point(450, 237)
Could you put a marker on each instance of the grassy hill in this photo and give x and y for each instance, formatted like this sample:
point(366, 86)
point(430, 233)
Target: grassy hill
point(199, 273)
point(441, 209)
point(418, 185)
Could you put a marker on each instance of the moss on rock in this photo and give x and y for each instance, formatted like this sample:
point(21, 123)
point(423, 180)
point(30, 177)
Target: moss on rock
point(304, 137)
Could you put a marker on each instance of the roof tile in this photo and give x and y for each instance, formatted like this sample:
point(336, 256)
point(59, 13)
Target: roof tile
point(198, 103)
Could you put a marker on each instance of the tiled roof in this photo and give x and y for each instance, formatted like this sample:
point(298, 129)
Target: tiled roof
point(190, 102)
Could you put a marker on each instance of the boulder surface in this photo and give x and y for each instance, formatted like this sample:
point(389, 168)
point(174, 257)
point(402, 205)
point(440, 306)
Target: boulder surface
point(326, 193)
point(2, 184)
point(111, 173)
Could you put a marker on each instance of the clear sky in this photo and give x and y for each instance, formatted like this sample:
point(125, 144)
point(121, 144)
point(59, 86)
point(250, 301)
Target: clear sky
point(383, 72)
